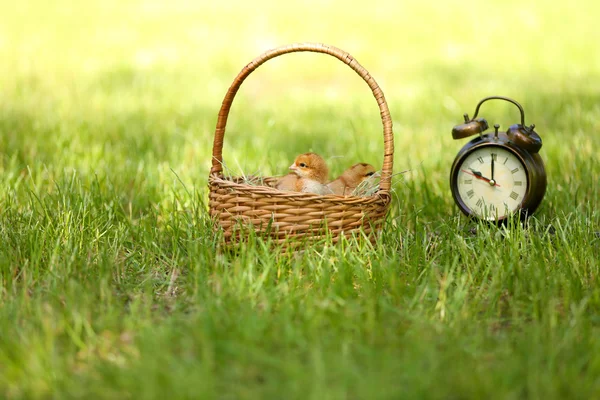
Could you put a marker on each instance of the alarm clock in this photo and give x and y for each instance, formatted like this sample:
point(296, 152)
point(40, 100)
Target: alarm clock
point(500, 174)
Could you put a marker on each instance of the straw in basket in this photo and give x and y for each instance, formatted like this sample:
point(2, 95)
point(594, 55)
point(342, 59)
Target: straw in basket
point(294, 216)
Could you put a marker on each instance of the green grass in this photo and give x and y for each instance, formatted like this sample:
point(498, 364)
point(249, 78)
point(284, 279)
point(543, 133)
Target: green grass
point(111, 285)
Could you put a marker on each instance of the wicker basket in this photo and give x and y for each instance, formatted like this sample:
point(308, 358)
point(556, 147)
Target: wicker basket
point(284, 215)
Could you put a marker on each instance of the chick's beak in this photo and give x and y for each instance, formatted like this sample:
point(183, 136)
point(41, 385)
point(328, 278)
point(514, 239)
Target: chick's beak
point(293, 167)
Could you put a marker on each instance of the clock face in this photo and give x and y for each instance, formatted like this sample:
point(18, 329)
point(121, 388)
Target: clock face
point(491, 183)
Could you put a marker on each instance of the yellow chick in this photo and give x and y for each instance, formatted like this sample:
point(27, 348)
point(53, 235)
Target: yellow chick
point(309, 174)
point(351, 178)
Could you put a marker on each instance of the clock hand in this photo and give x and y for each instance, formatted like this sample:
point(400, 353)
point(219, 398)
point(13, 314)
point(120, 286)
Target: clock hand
point(478, 175)
point(493, 168)
point(492, 182)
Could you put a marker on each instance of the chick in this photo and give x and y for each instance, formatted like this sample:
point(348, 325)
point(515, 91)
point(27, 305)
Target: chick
point(309, 174)
point(351, 178)
point(287, 182)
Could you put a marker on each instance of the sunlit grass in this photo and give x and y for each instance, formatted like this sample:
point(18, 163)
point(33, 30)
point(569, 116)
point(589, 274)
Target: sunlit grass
point(111, 282)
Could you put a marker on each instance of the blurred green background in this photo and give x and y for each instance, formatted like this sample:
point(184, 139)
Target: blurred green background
point(93, 85)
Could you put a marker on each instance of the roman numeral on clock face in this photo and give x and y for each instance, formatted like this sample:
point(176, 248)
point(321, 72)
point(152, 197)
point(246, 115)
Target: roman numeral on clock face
point(494, 156)
point(514, 195)
point(518, 183)
point(480, 159)
point(514, 171)
point(468, 181)
point(479, 203)
point(470, 193)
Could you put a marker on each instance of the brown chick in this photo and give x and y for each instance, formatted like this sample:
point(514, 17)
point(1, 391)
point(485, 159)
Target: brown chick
point(309, 175)
point(351, 178)
point(287, 182)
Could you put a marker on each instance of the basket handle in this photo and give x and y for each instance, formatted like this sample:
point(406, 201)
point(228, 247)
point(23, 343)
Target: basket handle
point(388, 135)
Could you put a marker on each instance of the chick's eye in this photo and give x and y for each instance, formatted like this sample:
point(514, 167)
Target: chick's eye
point(303, 165)
point(370, 173)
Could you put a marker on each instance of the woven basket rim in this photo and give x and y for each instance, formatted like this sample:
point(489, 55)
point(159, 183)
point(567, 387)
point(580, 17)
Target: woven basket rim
point(267, 191)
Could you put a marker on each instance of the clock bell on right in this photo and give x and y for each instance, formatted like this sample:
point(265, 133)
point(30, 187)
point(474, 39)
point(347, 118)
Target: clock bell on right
point(497, 174)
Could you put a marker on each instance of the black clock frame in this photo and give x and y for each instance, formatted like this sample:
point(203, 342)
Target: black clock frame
point(532, 162)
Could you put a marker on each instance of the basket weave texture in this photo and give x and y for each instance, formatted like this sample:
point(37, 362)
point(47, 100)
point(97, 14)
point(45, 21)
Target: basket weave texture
point(282, 215)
